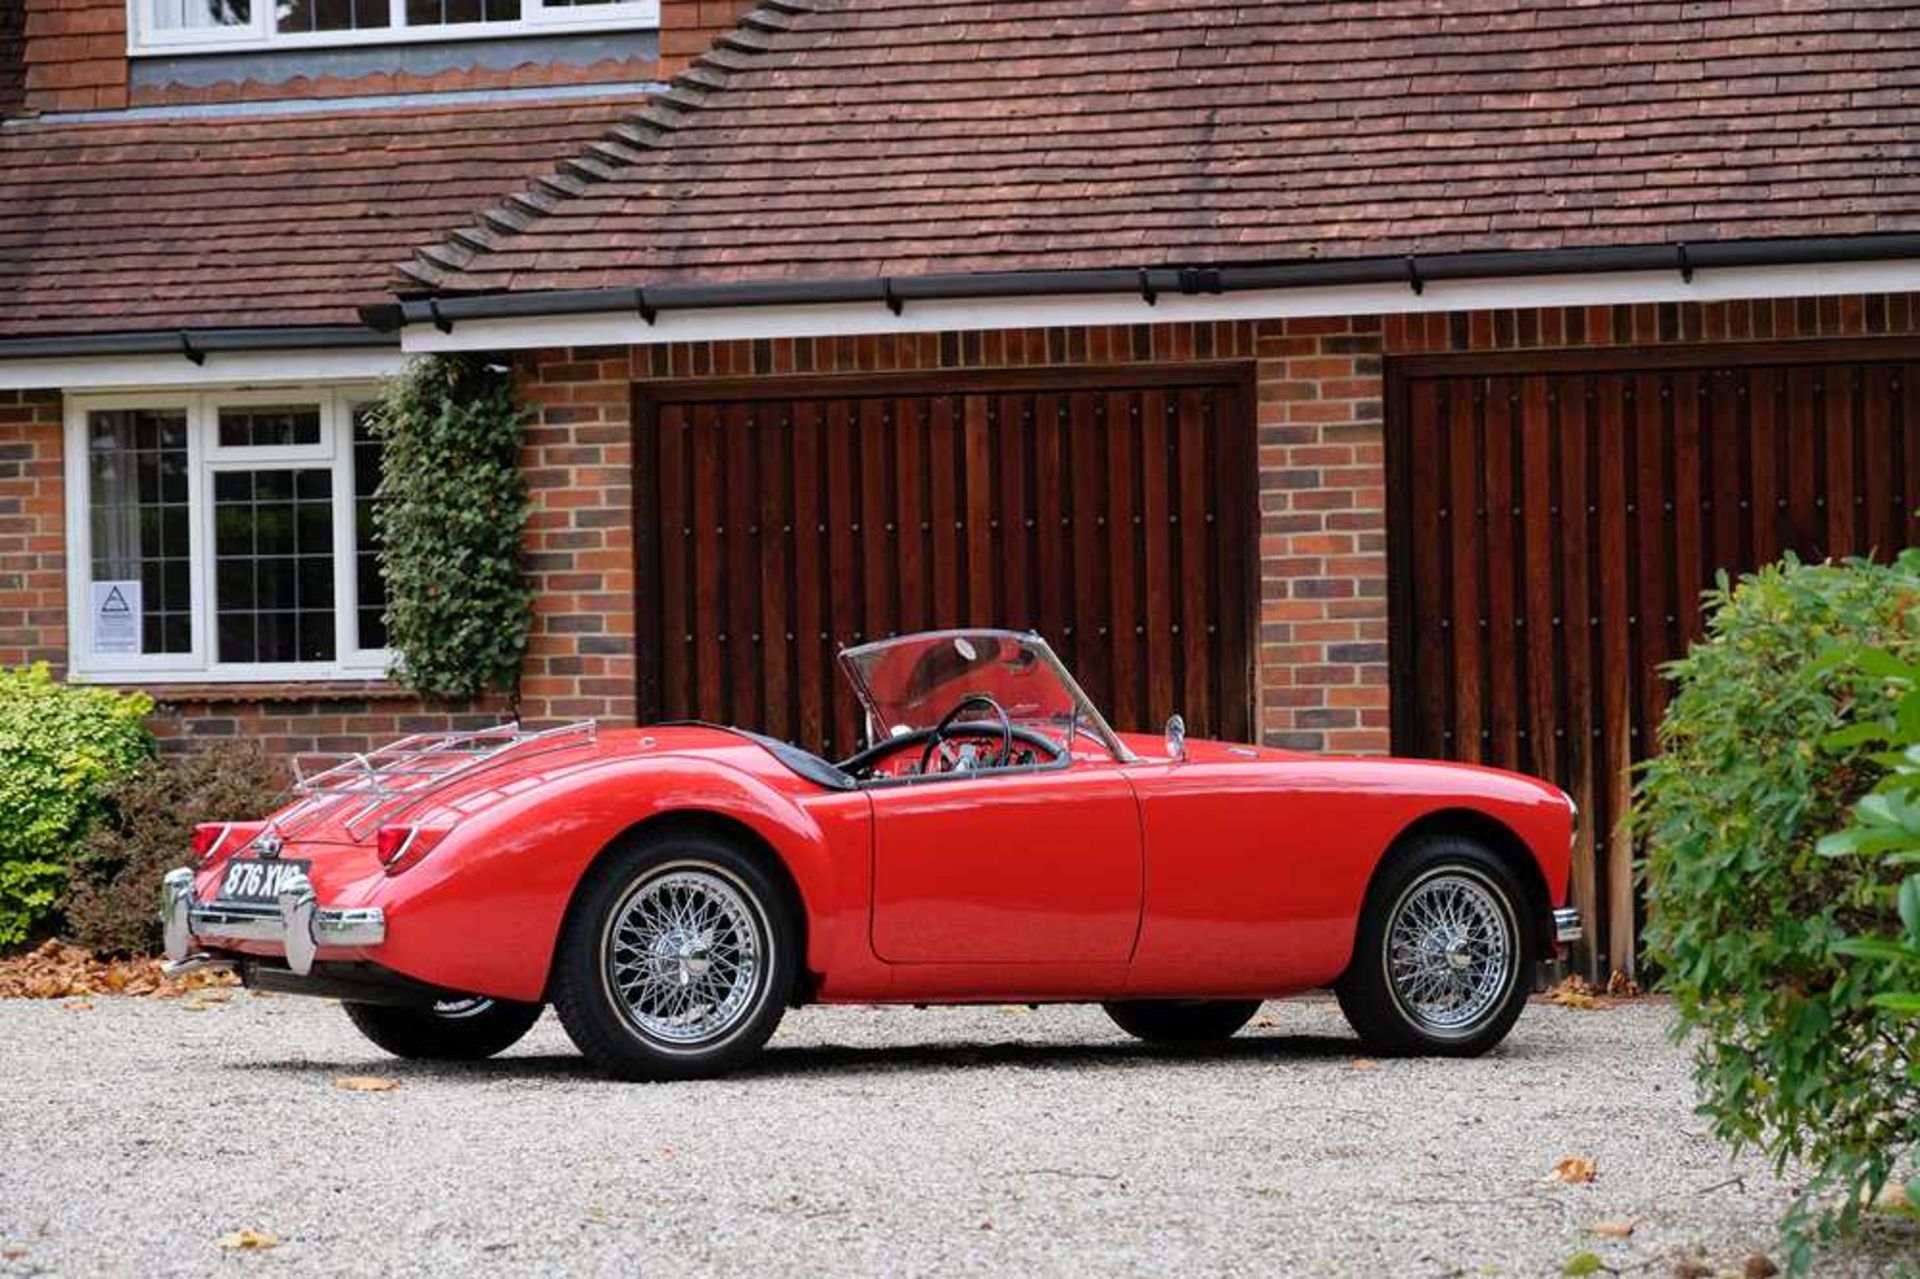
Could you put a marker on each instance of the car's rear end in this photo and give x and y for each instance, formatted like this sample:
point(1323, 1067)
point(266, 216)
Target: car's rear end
point(301, 900)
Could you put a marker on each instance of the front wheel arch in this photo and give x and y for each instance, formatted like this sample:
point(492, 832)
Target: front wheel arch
point(722, 826)
point(1498, 838)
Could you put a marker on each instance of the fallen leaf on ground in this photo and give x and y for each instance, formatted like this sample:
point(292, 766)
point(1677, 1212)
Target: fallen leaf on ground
point(1574, 1170)
point(1691, 1268)
point(1365, 1063)
point(56, 970)
point(1760, 1267)
point(1611, 1229)
point(365, 1083)
point(247, 1241)
point(1573, 992)
point(1264, 1022)
point(1621, 986)
point(1582, 1263)
point(77, 1005)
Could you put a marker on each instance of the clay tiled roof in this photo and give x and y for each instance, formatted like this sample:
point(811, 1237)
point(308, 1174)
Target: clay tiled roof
point(282, 220)
point(856, 138)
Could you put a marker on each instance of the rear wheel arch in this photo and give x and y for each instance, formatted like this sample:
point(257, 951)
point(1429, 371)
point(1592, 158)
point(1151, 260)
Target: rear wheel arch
point(719, 825)
point(1499, 839)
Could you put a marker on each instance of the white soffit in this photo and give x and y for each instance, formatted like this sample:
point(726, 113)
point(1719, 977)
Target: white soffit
point(222, 368)
point(614, 328)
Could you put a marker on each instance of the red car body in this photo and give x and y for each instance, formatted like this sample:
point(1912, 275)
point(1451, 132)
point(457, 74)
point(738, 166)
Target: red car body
point(1230, 871)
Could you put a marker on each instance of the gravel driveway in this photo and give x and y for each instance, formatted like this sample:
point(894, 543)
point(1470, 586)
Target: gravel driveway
point(135, 1133)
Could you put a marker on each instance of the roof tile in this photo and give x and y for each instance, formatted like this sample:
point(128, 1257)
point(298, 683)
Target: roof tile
point(867, 137)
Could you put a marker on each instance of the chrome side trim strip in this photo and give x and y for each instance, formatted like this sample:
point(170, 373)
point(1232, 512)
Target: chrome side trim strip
point(1567, 926)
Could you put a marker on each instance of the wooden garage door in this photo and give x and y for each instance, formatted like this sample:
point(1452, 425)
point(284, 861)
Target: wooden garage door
point(777, 524)
point(1555, 519)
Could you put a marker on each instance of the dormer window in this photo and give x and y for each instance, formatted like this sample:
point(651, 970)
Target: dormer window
point(195, 26)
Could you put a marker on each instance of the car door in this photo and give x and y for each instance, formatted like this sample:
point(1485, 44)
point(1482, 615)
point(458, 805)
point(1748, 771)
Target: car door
point(1038, 866)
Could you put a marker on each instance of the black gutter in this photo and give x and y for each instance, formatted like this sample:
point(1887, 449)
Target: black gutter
point(1414, 270)
point(196, 344)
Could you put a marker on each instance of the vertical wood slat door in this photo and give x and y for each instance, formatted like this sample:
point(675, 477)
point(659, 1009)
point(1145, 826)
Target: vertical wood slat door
point(1552, 530)
point(776, 526)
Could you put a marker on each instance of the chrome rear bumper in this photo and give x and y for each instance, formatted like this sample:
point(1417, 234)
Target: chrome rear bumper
point(295, 922)
point(1567, 926)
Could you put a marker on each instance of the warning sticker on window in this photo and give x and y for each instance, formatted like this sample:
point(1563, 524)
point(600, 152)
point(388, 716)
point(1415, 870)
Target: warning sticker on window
point(116, 617)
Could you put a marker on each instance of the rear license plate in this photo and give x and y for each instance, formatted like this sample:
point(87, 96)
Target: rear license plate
point(251, 879)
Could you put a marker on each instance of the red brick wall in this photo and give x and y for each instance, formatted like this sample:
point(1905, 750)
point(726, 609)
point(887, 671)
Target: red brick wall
point(76, 60)
point(33, 538)
point(76, 55)
point(687, 27)
point(290, 718)
point(1322, 650)
point(1321, 653)
point(1321, 661)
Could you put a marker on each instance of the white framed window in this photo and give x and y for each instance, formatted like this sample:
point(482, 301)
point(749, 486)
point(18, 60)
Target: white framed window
point(204, 26)
point(224, 536)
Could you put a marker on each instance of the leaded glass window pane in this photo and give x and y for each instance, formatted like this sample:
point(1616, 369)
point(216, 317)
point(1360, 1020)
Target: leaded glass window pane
point(269, 425)
point(140, 526)
point(273, 565)
point(371, 594)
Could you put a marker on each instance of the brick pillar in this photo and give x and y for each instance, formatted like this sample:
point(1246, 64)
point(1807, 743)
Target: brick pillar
point(1323, 536)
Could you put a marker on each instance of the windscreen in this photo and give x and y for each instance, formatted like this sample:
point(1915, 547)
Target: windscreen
point(910, 683)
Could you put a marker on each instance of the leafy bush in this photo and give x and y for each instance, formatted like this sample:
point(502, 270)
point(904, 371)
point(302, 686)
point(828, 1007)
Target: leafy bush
point(1744, 913)
point(112, 905)
point(452, 505)
point(1886, 827)
point(59, 745)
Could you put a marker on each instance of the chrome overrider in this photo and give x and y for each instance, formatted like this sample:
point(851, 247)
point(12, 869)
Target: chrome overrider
point(1566, 925)
point(295, 922)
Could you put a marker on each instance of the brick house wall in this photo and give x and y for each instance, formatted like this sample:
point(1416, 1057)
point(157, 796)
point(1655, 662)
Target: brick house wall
point(1321, 656)
point(33, 539)
point(75, 58)
point(75, 55)
point(1321, 653)
point(687, 27)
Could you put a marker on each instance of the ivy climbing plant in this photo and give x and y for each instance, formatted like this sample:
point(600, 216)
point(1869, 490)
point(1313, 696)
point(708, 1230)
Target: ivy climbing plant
point(451, 508)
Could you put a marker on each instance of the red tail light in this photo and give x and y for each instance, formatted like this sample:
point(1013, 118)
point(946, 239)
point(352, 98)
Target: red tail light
point(222, 839)
point(399, 847)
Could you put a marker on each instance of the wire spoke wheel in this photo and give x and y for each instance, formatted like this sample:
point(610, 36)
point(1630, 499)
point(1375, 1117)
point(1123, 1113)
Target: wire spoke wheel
point(1451, 951)
point(684, 956)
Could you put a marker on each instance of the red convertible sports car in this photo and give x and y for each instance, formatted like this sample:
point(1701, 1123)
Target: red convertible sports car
point(672, 889)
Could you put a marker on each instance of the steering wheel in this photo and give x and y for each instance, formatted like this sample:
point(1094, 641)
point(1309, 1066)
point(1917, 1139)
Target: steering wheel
point(937, 741)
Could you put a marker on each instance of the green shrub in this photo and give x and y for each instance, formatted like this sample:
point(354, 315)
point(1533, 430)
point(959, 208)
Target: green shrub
point(1744, 913)
point(452, 505)
point(1886, 951)
point(60, 744)
point(115, 883)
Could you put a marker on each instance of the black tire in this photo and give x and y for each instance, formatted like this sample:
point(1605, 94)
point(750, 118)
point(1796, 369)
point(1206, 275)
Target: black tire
point(628, 1039)
point(1182, 1023)
point(1390, 1019)
point(467, 1030)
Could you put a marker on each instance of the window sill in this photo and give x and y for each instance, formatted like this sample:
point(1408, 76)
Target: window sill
point(327, 690)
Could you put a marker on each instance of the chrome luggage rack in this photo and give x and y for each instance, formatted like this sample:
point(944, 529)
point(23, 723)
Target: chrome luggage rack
point(384, 783)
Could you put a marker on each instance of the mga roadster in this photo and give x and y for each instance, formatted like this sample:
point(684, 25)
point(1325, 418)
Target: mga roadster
point(672, 889)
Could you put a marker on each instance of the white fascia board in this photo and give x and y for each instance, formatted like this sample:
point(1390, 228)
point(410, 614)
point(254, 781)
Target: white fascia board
point(858, 319)
point(222, 368)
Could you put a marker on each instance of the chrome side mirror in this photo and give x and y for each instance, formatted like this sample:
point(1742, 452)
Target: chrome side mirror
point(1176, 737)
